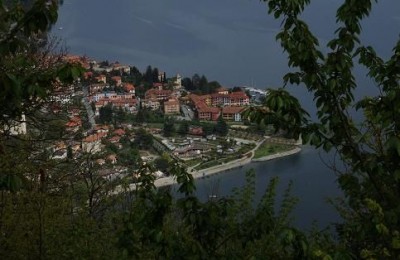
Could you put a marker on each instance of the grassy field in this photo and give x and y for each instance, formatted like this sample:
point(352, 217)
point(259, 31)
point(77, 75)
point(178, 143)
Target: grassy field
point(155, 125)
point(207, 165)
point(192, 162)
point(219, 161)
point(268, 149)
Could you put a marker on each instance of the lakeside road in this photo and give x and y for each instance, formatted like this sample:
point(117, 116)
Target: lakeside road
point(170, 180)
point(205, 172)
point(277, 155)
point(227, 166)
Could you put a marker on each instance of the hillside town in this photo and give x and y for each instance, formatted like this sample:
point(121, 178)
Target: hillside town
point(122, 119)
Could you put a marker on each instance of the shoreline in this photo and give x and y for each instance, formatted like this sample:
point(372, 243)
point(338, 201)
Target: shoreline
point(167, 181)
point(277, 155)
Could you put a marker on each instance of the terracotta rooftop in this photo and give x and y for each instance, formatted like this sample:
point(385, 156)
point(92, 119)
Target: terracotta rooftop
point(232, 110)
point(94, 137)
point(171, 102)
point(114, 139)
point(129, 86)
point(206, 109)
point(119, 132)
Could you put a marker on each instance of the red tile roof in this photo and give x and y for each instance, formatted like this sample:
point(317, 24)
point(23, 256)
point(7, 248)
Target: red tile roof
point(238, 94)
point(171, 102)
point(232, 110)
point(119, 132)
point(114, 139)
point(94, 137)
point(104, 128)
point(158, 93)
point(206, 109)
point(129, 87)
point(74, 121)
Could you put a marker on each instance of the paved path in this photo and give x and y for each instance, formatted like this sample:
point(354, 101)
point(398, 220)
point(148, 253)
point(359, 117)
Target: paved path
point(88, 107)
point(212, 170)
point(166, 181)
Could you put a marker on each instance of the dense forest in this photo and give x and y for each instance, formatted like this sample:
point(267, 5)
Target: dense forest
point(50, 210)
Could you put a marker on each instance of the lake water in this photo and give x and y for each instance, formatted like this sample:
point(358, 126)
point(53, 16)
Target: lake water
point(233, 42)
point(313, 183)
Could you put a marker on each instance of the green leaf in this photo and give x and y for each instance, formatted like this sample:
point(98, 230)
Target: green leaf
point(396, 243)
point(10, 182)
point(393, 143)
point(382, 229)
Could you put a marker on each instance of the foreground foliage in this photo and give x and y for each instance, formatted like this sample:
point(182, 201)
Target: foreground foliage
point(50, 210)
point(370, 150)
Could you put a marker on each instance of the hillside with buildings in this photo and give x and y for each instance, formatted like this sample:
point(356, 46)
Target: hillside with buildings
point(118, 116)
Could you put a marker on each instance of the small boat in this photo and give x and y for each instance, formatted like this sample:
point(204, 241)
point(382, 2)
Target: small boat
point(60, 28)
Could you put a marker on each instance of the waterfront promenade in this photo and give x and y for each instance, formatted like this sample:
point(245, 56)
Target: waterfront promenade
point(226, 166)
point(171, 180)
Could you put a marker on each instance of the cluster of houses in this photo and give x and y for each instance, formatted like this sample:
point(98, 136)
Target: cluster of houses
point(223, 103)
point(210, 107)
point(156, 98)
point(125, 100)
point(92, 143)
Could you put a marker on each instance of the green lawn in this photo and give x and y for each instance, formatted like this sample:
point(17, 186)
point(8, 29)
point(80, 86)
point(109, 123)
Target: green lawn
point(268, 149)
point(155, 125)
point(224, 159)
point(192, 162)
point(207, 165)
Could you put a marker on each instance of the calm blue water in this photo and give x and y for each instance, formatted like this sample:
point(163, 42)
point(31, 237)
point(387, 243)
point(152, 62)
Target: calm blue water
point(233, 42)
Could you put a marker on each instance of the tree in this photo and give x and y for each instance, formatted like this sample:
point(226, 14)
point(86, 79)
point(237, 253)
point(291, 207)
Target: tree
point(129, 157)
point(106, 114)
point(196, 81)
point(208, 128)
point(187, 84)
point(203, 85)
point(143, 139)
point(155, 75)
point(61, 210)
point(370, 150)
point(213, 86)
point(28, 76)
point(38, 209)
point(183, 128)
point(169, 127)
point(135, 76)
point(140, 116)
point(148, 75)
point(236, 89)
point(120, 115)
point(221, 128)
point(163, 163)
point(24, 57)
